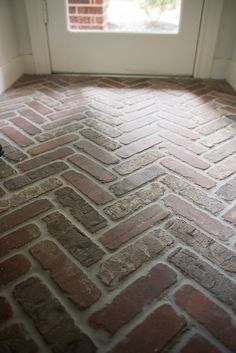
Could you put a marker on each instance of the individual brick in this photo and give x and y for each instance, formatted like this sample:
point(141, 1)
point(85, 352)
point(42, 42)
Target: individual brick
point(221, 152)
point(180, 130)
point(81, 210)
point(30, 177)
point(104, 128)
point(199, 344)
point(50, 145)
point(230, 215)
point(73, 240)
point(135, 225)
point(228, 190)
point(13, 268)
point(12, 153)
point(152, 335)
point(40, 108)
point(88, 187)
point(57, 132)
point(70, 279)
point(223, 169)
point(5, 170)
point(5, 312)
point(97, 153)
point(16, 136)
point(124, 308)
point(218, 137)
point(202, 219)
point(206, 275)
point(138, 134)
point(32, 116)
point(26, 126)
point(137, 147)
point(215, 319)
point(100, 139)
point(18, 238)
point(14, 338)
point(128, 260)
point(51, 318)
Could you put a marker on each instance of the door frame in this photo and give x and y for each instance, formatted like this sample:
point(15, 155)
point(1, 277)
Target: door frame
point(208, 34)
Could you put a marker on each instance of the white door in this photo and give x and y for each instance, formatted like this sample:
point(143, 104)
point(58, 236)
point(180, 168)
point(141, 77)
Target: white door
point(113, 52)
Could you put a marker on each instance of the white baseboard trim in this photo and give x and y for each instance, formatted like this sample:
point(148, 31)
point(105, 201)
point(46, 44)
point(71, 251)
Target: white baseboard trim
point(28, 64)
point(231, 73)
point(219, 68)
point(10, 72)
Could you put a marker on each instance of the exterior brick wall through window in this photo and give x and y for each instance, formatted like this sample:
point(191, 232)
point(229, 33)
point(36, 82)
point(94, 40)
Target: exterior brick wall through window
point(87, 14)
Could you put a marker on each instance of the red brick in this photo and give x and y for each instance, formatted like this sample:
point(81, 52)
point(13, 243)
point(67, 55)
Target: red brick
point(68, 113)
point(16, 136)
point(40, 108)
point(100, 139)
point(132, 227)
point(202, 219)
point(63, 121)
point(158, 330)
point(32, 116)
point(23, 214)
point(46, 158)
point(14, 338)
point(97, 153)
point(88, 187)
point(26, 126)
point(183, 131)
point(81, 210)
point(183, 141)
point(6, 310)
point(47, 146)
point(51, 319)
point(223, 169)
point(139, 146)
point(12, 268)
point(123, 308)
point(136, 180)
point(71, 280)
point(230, 215)
point(206, 275)
point(93, 168)
point(7, 115)
point(199, 344)
point(18, 238)
point(189, 173)
point(186, 157)
point(214, 318)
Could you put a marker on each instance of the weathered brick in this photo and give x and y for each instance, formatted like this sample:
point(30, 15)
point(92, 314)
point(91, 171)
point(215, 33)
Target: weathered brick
point(138, 134)
point(152, 335)
point(137, 162)
point(133, 202)
point(32, 116)
point(46, 158)
point(213, 126)
point(63, 121)
point(180, 130)
point(202, 219)
point(14, 338)
point(181, 187)
point(230, 215)
point(88, 187)
point(127, 127)
point(132, 227)
point(29, 194)
point(223, 169)
point(187, 157)
point(104, 128)
point(27, 212)
point(81, 210)
point(26, 126)
point(216, 320)
point(124, 308)
point(228, 190)
point(47, 146)
point(28, 178)
point(6, 311)
point(73, 239)
point(70, 279)
point(11, 153)
point(128, 260)
point(204, 245)
point(189, 173)
point(97, 153)
point(218, 137)
point(100, 139)
point(178, 116)
point(93, 168)
point(138, 146)
point(40, 108)
point(223, 151)
point(66, 113)
point(13, 268)
point(5, 170)
point(57, 132)
point(2, 192)
point(16, 136)
point(136, 180)
point(140, 113)
point(199, 344)
point(51, 319)
point(206, 275)
point(18, 238)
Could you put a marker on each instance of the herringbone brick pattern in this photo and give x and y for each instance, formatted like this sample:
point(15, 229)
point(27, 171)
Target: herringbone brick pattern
point(118, 216)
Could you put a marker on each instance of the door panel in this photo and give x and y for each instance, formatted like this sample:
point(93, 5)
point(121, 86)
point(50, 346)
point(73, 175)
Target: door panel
point(106, 52)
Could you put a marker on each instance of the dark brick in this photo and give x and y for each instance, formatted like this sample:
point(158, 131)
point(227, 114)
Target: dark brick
point(206, 275)
point(5, 170)
point(74, 241)
point(81, 210)
point(51, 319)
point(199, 344)
point(14, 338)
point(5, 312)
point(13, 268)
point(12, 153)
point(100, 139)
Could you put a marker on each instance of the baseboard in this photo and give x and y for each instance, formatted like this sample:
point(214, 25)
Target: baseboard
point(10, 72)
point(231, 73)
point(219, 68)
point(28, 64)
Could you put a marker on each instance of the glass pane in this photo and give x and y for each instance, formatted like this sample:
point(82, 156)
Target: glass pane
point(160, 16)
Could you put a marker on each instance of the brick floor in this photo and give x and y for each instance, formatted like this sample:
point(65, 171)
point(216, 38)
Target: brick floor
point(117, 216)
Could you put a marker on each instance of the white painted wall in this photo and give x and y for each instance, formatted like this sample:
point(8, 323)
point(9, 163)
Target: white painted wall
point(231, 69)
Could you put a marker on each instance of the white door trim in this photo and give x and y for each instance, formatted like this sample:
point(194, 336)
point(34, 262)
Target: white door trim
point(38, 33)
point(212, 11)
point(209, 29)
